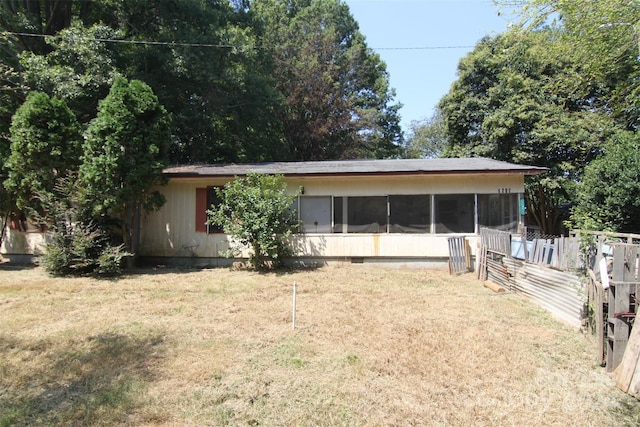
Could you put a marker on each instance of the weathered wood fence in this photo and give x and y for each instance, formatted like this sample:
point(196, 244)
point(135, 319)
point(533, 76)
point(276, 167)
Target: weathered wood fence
point(537, 268)
point(591, 280)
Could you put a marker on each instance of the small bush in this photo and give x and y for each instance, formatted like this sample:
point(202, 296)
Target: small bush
point(80, 249)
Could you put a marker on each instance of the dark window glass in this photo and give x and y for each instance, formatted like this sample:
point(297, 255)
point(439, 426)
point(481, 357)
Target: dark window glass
point(454, 213)
point(409, 214)
point(337, 214)
point(367, 214)
point(498, 211)
point(212, 202)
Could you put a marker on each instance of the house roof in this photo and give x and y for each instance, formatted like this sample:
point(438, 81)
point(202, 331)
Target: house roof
point(358, 167)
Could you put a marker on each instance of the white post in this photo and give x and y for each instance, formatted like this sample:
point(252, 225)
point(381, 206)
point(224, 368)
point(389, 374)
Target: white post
point(293, 317)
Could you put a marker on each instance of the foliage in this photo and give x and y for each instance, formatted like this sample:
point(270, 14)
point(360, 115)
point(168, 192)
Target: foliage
point(79, 69)
point(604, 38)
point(257, 212)
point(337, 100)
point(243, 81)
point(607, 197)
point(516, 99)
point(124, 153)
point(45, 143)
point(77, 246)
point(10, 99)
point(427, 138)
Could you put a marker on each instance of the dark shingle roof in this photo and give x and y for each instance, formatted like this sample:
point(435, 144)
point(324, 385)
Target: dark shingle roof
point(357, 167)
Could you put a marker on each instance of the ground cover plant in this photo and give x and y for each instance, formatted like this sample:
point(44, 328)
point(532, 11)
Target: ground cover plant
point(372, 347)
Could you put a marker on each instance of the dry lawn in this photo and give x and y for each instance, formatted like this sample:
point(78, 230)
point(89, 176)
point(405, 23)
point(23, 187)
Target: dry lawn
point(372, 347)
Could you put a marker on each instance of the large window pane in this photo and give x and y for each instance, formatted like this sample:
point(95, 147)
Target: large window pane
point(498, 211)
point(409, 214)
point(315, 214)
point(212, 202)
point(454, 213)
point(337, 214)
point(367, 214)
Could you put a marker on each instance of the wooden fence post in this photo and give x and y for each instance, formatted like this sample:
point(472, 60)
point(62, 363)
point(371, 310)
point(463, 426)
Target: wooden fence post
point(620, 312)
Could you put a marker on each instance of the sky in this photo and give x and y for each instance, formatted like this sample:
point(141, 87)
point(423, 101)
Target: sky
point(395, 28)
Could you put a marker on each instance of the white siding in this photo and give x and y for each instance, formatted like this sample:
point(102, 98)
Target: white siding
point(170, 232)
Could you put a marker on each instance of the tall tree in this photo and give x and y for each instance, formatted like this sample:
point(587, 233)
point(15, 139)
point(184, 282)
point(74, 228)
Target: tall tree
point(515, 99)
point(200, 58)
point(337, 99)
point(604, 38)
point(427, 138)
point(79, 69)
point(10, 100)
point(607, 196)
point(125, 150)
point(45, 146)
point(212, 76)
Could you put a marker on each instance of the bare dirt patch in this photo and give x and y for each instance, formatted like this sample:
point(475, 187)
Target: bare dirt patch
point(372, 346)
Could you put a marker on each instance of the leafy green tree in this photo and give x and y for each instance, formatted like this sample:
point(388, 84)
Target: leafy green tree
point(45, 146)
point(215, 81)
point(201, 59)
point(603, 36)
point(516, 100)
point(256, 212)
point(427, 138)
point(10, 100)
point(607, 197)
point(336, 97)
point(79, 69)
point(125, 150)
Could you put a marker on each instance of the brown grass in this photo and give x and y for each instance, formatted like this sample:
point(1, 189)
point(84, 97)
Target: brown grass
point(372, 346)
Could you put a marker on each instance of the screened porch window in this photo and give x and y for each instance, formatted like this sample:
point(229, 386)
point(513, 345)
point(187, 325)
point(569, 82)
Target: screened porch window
point(409, 214)
point(315, 214)
point(454, 213)
point(498, 211)
point(367, 214)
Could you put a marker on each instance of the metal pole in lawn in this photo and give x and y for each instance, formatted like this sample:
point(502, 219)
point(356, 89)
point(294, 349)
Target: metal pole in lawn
point(293, 317)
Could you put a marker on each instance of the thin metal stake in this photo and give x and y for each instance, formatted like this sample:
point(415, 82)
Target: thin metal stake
point(293, 317)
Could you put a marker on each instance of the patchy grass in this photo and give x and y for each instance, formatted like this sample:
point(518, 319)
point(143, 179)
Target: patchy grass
point(372, 346)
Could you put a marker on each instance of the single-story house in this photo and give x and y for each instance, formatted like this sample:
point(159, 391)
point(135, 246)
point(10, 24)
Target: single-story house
point(358, 211)
point(351, 211)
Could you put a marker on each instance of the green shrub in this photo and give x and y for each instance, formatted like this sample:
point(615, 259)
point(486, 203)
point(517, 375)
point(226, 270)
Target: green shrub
point(257, 211)
point(80, 249)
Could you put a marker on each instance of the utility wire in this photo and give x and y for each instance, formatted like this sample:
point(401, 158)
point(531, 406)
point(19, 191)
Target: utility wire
point(218, 45)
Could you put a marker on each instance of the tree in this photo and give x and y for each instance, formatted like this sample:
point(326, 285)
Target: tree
point(125, 151)
point(45, 146)
point(201, 59)
point(427, 138)
point(11, 98)
point(516, 100)
point(256, 211)
point(607, 196)
point(79, 69)
point(336, 97)
point(603, 36)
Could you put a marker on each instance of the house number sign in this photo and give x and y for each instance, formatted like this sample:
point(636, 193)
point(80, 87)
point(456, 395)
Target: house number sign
point(504, 190)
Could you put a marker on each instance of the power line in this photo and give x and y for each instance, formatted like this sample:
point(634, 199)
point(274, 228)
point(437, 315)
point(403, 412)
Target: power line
point(217, 45)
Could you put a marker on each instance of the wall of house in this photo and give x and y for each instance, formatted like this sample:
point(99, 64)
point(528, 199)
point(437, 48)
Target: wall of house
point(170, 232)
point(21, 246)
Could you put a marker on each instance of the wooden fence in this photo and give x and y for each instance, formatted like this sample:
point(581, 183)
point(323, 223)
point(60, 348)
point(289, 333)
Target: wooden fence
point(551, 272)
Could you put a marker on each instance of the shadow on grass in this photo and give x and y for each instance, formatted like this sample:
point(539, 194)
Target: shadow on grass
point(95, 381)
point(13, 266)
point(160, 270)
